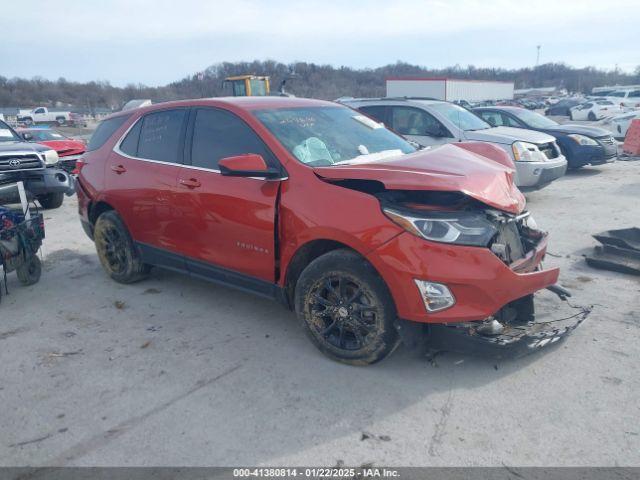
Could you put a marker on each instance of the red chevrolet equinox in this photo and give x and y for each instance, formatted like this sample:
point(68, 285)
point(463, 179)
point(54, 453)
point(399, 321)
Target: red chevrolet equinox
point(370, 240)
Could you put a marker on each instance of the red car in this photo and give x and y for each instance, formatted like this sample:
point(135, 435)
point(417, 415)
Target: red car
point(69, 150)
point(322, 208)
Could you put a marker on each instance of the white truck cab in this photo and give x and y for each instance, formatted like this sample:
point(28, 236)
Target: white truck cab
point(43, 115)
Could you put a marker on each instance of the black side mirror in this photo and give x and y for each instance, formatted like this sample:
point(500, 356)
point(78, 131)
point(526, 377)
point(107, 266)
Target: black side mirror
point(27, 136)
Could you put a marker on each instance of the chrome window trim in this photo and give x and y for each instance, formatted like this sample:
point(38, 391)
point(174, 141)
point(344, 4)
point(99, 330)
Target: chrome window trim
point(116, 149)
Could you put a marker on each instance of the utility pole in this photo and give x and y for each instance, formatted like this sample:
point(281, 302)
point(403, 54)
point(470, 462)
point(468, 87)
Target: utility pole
point(538, 54)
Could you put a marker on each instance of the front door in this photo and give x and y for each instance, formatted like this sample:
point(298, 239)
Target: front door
point(227, 223)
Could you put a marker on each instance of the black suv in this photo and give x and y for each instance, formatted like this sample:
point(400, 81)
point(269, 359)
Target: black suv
point(35, 165)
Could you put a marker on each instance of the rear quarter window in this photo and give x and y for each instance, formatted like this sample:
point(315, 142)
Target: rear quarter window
point(104, 131)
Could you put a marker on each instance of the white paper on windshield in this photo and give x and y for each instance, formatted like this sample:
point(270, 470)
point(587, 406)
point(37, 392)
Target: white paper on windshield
point(5, 133)
point(367, 122)
point(372, 157)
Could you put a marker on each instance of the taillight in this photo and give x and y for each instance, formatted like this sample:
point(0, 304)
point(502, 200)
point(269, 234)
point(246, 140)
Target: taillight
point(79, 164)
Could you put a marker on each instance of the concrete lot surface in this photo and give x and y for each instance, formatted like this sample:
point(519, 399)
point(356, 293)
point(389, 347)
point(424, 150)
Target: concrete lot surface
point(174, 371)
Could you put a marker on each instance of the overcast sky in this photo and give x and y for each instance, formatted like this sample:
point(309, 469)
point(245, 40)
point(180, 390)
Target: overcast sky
point(157, 41)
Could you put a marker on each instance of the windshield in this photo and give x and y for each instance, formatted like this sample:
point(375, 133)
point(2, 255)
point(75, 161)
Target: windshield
point(44, 135)
point(322, 136)
point(460, 117)
point(534, 119)
point(6, 133)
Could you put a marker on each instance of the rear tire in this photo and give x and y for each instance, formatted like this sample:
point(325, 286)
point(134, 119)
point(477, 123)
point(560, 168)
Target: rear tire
point(346, 309)
point(29, 273)
point(61, 121)
point(117, 253)
point(51, 200)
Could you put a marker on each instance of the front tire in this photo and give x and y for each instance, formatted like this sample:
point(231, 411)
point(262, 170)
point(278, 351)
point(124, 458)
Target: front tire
point(346, 309)
point(591, 116)
point(51, 200)
point(117, 253)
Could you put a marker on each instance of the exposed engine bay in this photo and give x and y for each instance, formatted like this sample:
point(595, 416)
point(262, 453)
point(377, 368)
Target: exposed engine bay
point(513, 237)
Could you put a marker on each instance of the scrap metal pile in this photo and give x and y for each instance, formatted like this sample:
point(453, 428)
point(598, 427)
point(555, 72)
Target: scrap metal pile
point(620, 251)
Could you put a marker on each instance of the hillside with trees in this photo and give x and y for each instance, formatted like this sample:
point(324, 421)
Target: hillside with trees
point(303, 79)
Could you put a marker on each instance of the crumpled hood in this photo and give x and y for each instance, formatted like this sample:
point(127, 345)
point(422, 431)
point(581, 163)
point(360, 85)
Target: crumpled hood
point(65, 147)
point(587, 130)
point(447, 168)
point(508, 135)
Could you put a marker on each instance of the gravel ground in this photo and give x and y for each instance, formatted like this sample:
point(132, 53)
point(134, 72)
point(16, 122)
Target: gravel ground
point(174, 371)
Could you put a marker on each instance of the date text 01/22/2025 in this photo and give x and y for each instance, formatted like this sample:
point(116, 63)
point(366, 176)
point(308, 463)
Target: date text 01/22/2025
point(335, 473)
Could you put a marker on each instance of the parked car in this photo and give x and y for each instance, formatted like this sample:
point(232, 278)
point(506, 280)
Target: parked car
point(316, 205)
point(42, 115)
point(562, 107)
point(537, 158)
point(35, 165)
point(619, 124)
point(627, 99)
point(69, 150)
point(594, 110)
point(580, 144)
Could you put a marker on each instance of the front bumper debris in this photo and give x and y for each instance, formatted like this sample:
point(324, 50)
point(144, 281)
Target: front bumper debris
point(522, 332)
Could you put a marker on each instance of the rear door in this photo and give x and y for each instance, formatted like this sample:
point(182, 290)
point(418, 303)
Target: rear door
point(226, 223)
point(141, 182)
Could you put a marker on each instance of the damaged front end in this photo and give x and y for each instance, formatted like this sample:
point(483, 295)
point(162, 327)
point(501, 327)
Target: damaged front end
point(469, 263)
point(454, 218)
point(517, 328)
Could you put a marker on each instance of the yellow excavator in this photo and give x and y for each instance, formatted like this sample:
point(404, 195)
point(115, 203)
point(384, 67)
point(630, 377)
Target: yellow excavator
point(248, 85)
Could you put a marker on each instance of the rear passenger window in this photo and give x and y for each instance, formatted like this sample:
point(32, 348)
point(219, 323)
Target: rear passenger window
point(218, 134)
point(130, 143)
point(104, 131)
point(160, 136)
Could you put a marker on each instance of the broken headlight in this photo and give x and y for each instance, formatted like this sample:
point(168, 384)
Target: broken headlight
point(462, 228)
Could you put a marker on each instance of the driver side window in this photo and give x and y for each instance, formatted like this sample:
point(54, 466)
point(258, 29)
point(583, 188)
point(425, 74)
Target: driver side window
point(510, 122)
point(218, 134)
point(413, 121)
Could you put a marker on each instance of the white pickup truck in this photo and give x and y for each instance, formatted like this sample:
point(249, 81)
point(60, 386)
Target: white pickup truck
point(43, 115)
